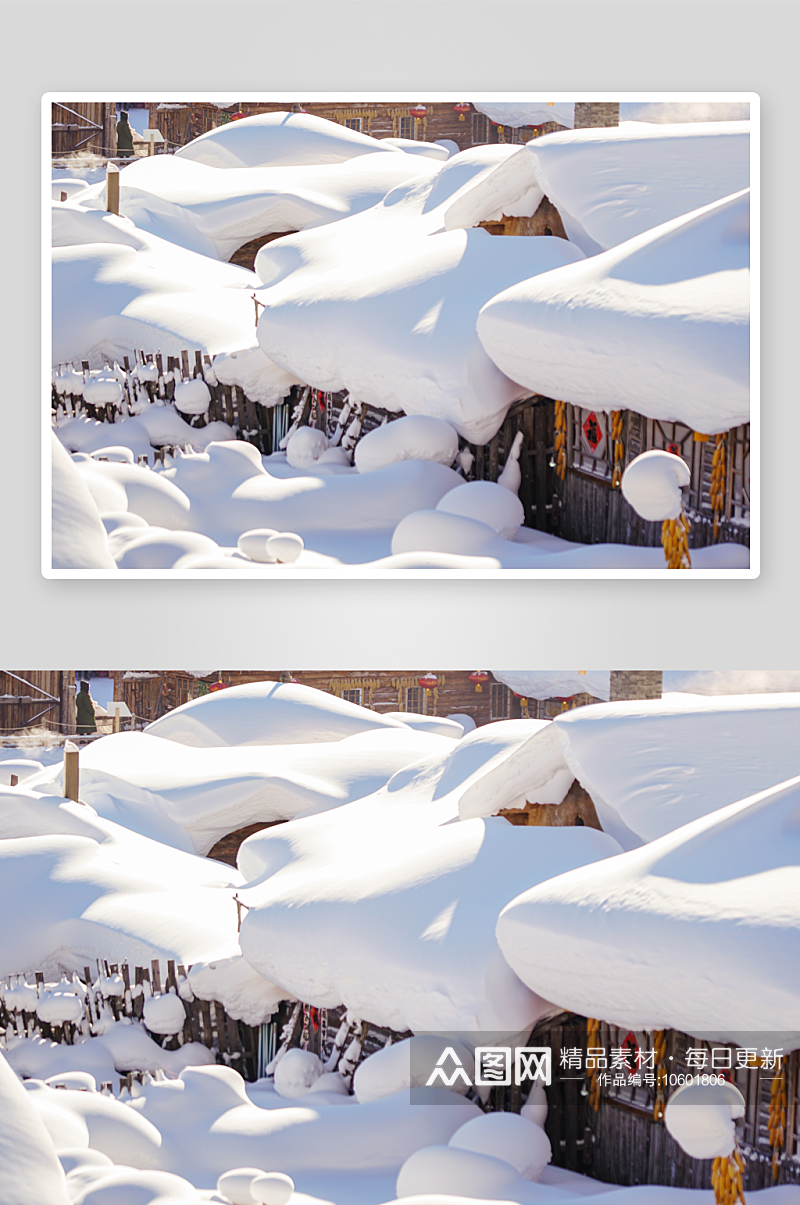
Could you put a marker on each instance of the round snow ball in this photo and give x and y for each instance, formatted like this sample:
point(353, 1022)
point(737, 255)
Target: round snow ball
point(285, 547)
point(700, 1117)
point(235, 1185)
point(393, 1068)
point(273, 1188)
point(305, 447)
point(487, 502)
point(253, 544)
point(192, 397)
point(164, 1014)
point(296, 1072)
point(652, 485)
point(414, 437)
point(435, 531)
point(507, 1136)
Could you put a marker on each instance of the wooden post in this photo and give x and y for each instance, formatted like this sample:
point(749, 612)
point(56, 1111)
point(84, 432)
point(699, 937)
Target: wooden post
point(14, 779)
point(116, 719)
point(71, 771)
point(112, 188)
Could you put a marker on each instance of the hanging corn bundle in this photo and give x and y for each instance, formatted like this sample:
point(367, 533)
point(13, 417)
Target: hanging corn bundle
point(660, 1049)
point(675, 539)
point(561, 440)
point(726, 1178)
point(592, 1043)
point(619, 447)
point(717, 488)
point(777, 1116)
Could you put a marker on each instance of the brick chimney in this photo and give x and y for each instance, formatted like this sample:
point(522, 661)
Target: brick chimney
point(596, 113)
point(635, 684)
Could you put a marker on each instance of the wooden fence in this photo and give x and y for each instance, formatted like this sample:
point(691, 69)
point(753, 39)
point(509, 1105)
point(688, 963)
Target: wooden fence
point(123, 993)
point(585, 506)
point(623, 1144)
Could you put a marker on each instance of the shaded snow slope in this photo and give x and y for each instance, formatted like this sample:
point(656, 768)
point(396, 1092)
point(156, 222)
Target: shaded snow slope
point(267, 713)
point(215, 212)
point(612, 184)
point(102, 891)
point(386, 906)
point(384, 303)
point(116, 289)
point(648, 939)
point(27, 1154)
point(78, 535)
point(659, 324)
point(280, 139)
point(654, 765)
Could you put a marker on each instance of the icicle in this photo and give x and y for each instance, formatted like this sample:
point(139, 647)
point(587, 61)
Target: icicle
point(511, 476)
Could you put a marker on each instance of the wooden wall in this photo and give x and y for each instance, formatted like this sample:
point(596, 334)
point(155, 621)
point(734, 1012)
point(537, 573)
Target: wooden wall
point(73, 128)
point(150, 694)
point(32, 698)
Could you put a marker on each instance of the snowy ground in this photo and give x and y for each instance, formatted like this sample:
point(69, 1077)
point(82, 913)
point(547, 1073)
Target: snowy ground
point(391, 290)
point(393, 888)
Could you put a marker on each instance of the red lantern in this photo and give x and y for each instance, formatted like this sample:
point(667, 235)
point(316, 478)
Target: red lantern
point(428, 681)
point(418, 111)
point(479, 676)
point(217, 686)
point(462, 108)
point(238, 115)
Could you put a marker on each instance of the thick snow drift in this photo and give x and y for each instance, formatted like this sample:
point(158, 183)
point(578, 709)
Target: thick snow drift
point(652, 483)
point(280, 140)
point(654, 765)
point(27, 1154)
point(157, 786)
point(614, 183)
point(266, 713)
point(658, 324)
point(554, 684)
point(384, 303)
point(388, 908)
point(103, 891)
point(117, 289)
point(648, 939)
point(215, 212)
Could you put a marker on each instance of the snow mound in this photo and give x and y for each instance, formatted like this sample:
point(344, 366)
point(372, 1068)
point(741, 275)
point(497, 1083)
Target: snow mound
point(164, 1014)
point(700, 1117)
point(658, 324)
point(297, 1072)
point(272, 1188)
point(721, 891)
point(253, 544)
point(305, 447)
point(558, 684)
point(158, 548)
point(279, 138)
point(450, 1171)
point(414, 437)
point(507, 1136)
point(389, 1070)
point(652, 484)
point(404, 901)
point(266, 713)
point(192, 397)
point(384, 303)
point(487, 502)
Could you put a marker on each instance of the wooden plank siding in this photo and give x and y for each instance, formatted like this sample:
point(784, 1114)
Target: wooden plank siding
point(32, 699)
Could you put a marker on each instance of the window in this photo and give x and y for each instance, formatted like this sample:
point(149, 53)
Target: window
point(353, 123)
point(406, 128)
point(415, 699)
point(501, 701)
point(480, 128)
point(353, 695)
